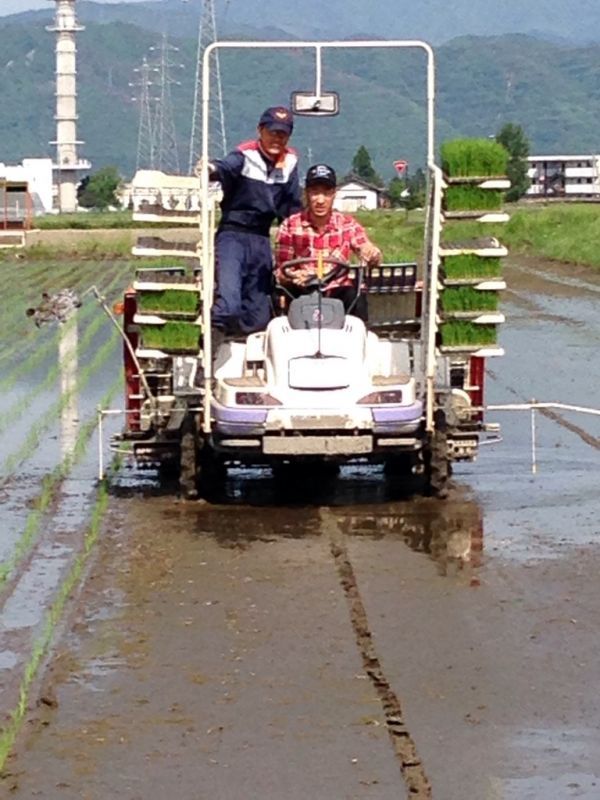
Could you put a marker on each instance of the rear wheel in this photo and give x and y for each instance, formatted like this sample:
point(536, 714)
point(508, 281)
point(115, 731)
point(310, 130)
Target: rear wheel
point(437, 463)
point(213, 470)
point(189, 462)
point(400, 465)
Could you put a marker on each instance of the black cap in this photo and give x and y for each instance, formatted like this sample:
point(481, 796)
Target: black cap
point(321, 173)
point(278, 118)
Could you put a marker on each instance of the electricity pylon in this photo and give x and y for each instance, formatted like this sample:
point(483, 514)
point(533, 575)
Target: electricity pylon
point(145, 158)
point(165, 137)
point(217, 145)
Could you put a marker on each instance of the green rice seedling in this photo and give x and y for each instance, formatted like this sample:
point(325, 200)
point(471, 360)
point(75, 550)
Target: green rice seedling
point(467, 298)
point(38, 428)
point(174, 301)
point(51, 485)
point(25, 337)
point(173, 336)
point(15, 715)
point(458, 333)
point(473, 158)
point(472, 198)
point(470, 266)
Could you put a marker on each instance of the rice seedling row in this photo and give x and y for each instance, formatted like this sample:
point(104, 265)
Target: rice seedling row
point(466, 298)
point(27, 338)
point(28, 288)
point(471, 266)
point(20, 406)
point(459, 333)
point(473, 158)
point(472, 168)
point(14, 459)
point(40, 354)
point(16, 300)
point(471, 198)
point(22, 332)
point(10, 730)
point(50, 486)
point(28, 279)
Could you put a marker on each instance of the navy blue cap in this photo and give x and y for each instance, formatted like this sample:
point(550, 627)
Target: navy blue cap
point(278, 118)
point(321, 173)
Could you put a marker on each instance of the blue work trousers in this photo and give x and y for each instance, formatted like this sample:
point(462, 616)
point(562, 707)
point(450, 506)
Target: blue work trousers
point(244, 269)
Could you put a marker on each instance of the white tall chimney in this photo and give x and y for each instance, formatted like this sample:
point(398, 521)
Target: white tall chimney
point(68, 164)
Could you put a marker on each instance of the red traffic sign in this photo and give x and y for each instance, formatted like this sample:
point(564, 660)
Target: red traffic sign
point(400, 166)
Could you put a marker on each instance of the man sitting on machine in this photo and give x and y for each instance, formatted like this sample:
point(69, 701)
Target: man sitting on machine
point(323, 235)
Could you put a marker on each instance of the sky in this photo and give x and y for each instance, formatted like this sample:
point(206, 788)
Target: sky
point(14, 6)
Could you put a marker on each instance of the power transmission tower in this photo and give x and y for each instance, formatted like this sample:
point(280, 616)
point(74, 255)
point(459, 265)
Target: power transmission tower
point(165, 137)
point(145, 147)
point(217, 145)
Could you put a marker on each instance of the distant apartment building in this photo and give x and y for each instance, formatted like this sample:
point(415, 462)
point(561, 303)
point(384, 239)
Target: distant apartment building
point(564, 176)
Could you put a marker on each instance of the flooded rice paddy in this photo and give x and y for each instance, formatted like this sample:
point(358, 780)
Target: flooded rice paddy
point(332, 637)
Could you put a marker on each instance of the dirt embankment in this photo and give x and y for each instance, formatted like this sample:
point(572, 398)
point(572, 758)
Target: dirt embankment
point(96, 243)
point(69, 237)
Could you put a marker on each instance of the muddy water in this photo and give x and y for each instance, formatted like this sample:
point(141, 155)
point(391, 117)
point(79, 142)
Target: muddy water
point(338, 640)
point(52, 378)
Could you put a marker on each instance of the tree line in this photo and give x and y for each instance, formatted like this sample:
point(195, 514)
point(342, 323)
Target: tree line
point(407, 190)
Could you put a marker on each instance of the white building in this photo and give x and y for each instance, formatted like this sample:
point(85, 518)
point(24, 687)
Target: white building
point(154, 194)
point(37, 174)
point(355, 194)
point(564, 176)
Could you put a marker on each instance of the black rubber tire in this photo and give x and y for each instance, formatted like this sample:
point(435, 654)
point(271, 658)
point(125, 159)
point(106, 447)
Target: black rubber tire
point(437, 463)
point(400, 465)
point(213, 471)
point(189, 463)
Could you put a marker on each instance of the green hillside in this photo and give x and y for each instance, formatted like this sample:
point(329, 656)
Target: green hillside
point(435, 21)
point(551, 90)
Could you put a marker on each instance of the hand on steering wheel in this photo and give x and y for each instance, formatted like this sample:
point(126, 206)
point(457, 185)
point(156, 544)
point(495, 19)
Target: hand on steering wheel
point(339, 269)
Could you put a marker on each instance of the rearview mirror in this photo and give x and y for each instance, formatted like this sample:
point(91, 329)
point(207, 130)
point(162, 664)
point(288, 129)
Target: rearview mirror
point(308, 104)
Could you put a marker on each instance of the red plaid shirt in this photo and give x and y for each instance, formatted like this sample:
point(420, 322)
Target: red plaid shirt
point(297, 238)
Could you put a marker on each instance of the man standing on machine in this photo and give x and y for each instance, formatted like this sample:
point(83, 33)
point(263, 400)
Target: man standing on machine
point(260, 184)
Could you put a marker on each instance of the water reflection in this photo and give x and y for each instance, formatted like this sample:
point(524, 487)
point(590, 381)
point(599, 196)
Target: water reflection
point(254, 505)
point(450, 532)
point(68, 361)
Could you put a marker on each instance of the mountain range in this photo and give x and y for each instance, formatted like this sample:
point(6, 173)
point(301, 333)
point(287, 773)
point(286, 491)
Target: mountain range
point(549, 87)
point(436, 21)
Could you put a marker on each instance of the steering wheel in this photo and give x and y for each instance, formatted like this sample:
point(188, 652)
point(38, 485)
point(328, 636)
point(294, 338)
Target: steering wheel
point(339, 269)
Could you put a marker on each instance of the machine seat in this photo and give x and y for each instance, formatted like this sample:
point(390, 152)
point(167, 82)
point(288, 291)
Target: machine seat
point(303, 312)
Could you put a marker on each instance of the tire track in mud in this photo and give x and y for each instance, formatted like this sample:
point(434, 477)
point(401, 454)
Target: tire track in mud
point(404, 746)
